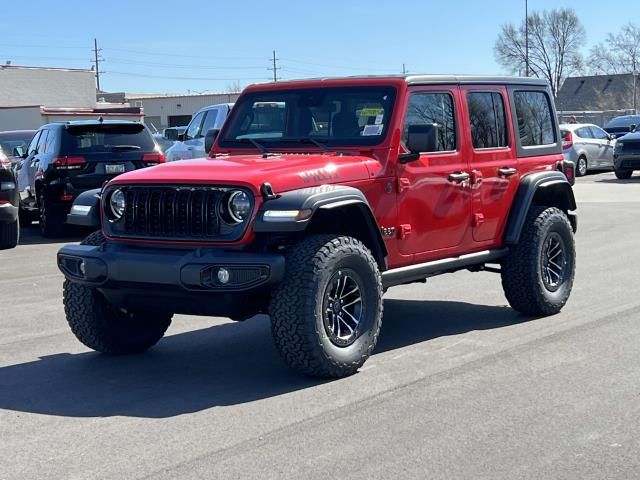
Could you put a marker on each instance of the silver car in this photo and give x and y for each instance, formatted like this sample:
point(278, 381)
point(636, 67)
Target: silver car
point(588, 146)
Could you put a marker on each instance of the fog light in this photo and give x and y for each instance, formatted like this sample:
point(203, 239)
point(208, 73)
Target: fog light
point(223, 275)
point(81, 268)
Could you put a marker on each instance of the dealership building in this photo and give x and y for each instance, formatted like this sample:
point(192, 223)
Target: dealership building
point(33, 96)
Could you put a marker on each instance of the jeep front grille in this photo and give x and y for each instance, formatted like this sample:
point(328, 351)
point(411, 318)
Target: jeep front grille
point(182, 213)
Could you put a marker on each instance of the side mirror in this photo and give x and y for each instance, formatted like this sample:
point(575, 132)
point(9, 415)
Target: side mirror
point(24, 155)
point(181, 137)
point(210, 139)
point(632, 127)
point(420, 138)
point(171, 134)
point(18, 151)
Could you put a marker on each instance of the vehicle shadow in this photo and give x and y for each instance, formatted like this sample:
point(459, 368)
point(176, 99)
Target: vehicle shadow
point(634, 179)
point(30, 235)
point(227, 364)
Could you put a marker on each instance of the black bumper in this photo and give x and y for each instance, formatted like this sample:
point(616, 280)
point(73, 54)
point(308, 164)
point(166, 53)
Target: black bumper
point(182, 281)
point(627, 162)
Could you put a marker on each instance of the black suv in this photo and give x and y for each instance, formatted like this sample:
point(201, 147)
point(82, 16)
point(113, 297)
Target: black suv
point(9, 226)
point(626, 156)
point(620, 126)
point(66, 159)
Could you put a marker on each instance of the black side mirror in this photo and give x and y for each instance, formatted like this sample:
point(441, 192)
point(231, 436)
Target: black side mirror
point(18, 151)
point(181, 137)
point(420, 138)
point(632, 127)
point(210, 139)
point(24, 155)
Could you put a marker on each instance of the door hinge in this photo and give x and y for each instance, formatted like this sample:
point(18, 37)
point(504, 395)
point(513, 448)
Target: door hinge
point(404, 231)
point(478, 219)
point(403, 184)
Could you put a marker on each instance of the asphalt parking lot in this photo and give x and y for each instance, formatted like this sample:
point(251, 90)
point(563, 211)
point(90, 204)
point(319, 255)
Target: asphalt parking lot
point(460, 386)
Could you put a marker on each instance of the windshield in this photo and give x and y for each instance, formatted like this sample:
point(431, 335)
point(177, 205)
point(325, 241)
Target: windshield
point(623, 121)
point(330, 116)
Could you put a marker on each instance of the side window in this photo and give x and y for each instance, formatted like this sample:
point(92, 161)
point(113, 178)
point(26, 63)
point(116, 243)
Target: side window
point(194, 127)
point(488, 120)
point(584, 132)
point(33, 146)
point(535, 123)
point(598, 133)
point(427, 108)
point(42, 143)
point(209, 121)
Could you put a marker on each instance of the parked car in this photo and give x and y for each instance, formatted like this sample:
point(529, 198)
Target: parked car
point(168, 137)
point(9, 202)
point(65, 159)
point(190, 144)
point(627, 154)
point(620, 126)
point(315, 209)
point(588, 146)
point(14, 144)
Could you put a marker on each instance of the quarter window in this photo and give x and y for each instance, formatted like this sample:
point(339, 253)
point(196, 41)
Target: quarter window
point(487, 118)
point(433, 108)
point(535, 123)
point(42, 143)
point(33, 146)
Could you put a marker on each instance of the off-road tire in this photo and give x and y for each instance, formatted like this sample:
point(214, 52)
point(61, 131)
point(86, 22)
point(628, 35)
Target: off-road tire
point(623, 174)
point(103, 328)
point(51, 218)
point(9, 234)
point(522, 277)
point(296, 306)
point(582, 161)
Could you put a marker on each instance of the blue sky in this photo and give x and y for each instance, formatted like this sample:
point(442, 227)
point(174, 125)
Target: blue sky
point(164, 46)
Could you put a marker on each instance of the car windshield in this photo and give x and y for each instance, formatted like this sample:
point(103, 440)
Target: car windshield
point(9, 143)
point(623, 121)
point(330, 116)
point(79, 139)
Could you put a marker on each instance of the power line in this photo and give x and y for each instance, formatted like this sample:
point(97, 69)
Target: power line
point(144, 75)
point(275, 67)
point(180, 55)
point(117, 60)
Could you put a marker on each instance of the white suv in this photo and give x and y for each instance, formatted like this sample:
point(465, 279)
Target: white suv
point(191, 144)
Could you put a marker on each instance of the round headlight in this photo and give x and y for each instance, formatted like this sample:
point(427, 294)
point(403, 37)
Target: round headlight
point(238, 206)
point(117, 204)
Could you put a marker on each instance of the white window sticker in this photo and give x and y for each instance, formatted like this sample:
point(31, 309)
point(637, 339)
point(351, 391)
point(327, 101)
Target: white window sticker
point(370, 130)
point(379, 119)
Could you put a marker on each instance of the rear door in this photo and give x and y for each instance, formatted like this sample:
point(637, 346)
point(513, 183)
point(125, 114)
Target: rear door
point(493, 160)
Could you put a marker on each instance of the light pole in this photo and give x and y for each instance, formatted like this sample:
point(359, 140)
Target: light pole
point(526, 37)
point(635, 85)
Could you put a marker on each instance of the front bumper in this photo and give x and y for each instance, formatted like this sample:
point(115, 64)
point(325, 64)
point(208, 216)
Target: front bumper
point(627, 162)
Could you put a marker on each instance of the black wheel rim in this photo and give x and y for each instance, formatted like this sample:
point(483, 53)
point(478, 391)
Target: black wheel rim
point(343, 308)
point(43, 215)
point(554, 262)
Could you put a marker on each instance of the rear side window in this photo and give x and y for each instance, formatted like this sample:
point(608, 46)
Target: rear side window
point(535, 123)
point(209, 121)
point(488, 120)
point(84, 139)
point(584, 132)
point(427, 108)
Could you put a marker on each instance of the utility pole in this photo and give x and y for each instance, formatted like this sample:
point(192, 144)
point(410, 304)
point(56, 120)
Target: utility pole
point(404, 69)
point(635, 88)
point(526, 37)
point(275, 67)
point(97, 60)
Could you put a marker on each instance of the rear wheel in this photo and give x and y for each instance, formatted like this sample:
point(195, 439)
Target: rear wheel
point(9, 234)
point(51, 218)
point(538, 273)
point(582, 167)
point(102, 327)
point(623, 174)
point(327, 313)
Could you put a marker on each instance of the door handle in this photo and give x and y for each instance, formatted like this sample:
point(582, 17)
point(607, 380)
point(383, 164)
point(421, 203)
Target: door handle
point(507, 171)
point(458, 177)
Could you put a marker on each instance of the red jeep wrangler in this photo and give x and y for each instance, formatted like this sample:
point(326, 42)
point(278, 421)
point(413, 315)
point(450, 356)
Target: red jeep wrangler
point(317, 196)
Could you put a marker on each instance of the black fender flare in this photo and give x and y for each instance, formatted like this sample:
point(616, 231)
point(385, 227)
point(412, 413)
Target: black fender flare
point(320, 199)
point(90, 198)
point(544, 188)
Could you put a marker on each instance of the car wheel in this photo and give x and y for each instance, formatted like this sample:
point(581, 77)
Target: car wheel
point(9, 234)
point(104, 328)
point(538, 273)
point(327, 312)
point(582, 167)
point(623, 174)
point(51, 219)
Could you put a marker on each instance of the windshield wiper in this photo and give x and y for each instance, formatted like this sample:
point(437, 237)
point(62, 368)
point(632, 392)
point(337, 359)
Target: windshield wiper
point(315, 142)
point(256, 144)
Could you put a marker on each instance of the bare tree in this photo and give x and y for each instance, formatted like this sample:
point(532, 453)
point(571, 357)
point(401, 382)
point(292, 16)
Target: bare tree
point(619, 54)
point(234, 87)
point(555, 39)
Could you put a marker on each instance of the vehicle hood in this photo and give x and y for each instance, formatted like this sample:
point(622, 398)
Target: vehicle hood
point(283, 171)
point(629, 136)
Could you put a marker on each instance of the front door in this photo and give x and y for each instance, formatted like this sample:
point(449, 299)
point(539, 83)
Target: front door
point(493, 160)
point(433, 192)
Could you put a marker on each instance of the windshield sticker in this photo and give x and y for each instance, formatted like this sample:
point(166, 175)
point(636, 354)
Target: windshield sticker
point(379, 118)
point(371, 130)
point(370, 112)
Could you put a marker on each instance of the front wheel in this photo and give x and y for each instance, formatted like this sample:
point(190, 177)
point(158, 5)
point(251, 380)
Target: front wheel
point(538, 272)
point(623, 174)
point(327, 313)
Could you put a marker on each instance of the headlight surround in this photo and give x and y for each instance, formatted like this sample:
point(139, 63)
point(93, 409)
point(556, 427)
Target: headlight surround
point(238, 206)
point(117, 204)
point(619, 146)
